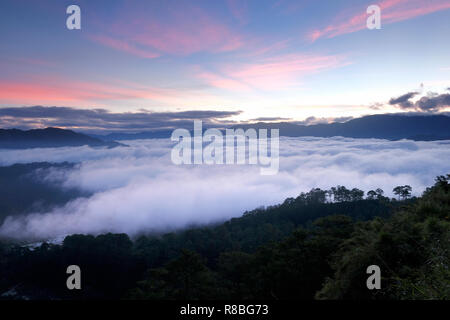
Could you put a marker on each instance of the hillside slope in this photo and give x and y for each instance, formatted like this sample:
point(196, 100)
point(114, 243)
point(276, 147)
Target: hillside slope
point(48, 138)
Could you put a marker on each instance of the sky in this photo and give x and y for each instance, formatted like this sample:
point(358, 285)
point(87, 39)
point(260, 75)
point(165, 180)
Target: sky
point(245, 59)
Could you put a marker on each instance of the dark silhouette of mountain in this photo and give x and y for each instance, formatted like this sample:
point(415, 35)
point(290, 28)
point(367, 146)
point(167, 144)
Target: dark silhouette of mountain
point(384, 126)
point(47, 138)
point(159, 134)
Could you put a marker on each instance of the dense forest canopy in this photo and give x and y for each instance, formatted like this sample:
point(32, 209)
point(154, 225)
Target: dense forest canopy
point(315, 246)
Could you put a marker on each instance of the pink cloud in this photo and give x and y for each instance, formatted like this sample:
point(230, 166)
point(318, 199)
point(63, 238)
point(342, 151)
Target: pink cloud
point(223, 82)
point(391, 11)
point(261, 49)
point(123, 45)
point(184, 31)
point(270, 74)
point(49, 91)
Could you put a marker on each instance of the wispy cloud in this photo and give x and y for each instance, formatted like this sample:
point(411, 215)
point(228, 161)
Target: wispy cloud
point(184, 31)
point(125, 46)
point(271, 73)
point(48, 89)
point(391, 11)
point(270, 119)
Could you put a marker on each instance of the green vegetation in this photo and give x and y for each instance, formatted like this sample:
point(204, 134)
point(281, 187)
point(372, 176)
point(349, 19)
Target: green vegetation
point(316, 246)
point(412, 248)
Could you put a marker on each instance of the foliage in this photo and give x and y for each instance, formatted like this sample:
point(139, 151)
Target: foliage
point(317, 245)
point(412, 249)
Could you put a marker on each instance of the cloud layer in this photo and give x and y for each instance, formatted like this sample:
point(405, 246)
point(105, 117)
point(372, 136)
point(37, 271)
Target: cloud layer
point(102, 119)
point(138, 189)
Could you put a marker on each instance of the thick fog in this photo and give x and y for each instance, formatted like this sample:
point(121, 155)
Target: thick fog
point(138, 189)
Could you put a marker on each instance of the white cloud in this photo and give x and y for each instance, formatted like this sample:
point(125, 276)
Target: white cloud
point(137, 188)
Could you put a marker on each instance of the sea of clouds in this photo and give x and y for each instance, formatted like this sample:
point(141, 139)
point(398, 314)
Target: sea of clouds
point(138, 189)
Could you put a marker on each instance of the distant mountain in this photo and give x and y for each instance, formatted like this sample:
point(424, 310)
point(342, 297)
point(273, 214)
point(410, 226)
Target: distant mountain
point(385, 126)
point(157, 134)
point(391, 127)
point(48, 138)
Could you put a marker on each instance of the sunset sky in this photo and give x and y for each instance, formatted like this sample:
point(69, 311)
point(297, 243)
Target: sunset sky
point(268, 59)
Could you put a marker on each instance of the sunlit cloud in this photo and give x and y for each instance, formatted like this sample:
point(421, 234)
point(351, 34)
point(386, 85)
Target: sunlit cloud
point(391, 11)
point(273, 73)
point(185, 31)
point(125, 46)
point(55, 90)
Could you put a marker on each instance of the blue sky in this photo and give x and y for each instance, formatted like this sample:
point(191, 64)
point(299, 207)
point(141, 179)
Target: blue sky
point(289, 59)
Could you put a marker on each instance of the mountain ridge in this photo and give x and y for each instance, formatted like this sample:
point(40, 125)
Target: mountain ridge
point(385, 126)
point(49, 138)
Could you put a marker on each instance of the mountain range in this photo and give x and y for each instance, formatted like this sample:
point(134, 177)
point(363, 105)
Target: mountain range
point(385, 126)
point(49, 138)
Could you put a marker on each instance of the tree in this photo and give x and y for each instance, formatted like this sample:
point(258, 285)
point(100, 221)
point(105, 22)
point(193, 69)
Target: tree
point(375, 194)
point(411, 247)
point(341, 194)
point(189, 277)
point(403, 192)
point(316, 196)
point(356, 194)
point(236, 271)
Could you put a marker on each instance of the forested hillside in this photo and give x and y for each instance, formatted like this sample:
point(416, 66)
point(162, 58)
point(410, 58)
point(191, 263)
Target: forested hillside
point(316, 246)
